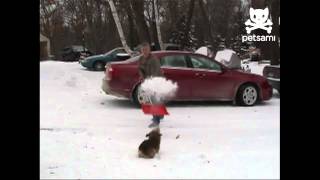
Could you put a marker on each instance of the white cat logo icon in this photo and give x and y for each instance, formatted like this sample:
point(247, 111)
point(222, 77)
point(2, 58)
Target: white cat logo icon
point(259, 20)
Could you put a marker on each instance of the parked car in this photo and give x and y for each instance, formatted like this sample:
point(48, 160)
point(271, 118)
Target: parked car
point(98, 62)
point(255, 54)
point(272, 73)
point(73, 53)
point(198, 78)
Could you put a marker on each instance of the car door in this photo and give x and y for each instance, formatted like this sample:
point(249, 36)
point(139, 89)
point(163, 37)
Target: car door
point(210, 81)
point(176, 68)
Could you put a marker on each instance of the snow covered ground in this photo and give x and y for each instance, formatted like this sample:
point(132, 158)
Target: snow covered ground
point(85, 133)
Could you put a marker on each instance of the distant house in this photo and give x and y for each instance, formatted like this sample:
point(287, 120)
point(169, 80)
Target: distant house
point(44, 47)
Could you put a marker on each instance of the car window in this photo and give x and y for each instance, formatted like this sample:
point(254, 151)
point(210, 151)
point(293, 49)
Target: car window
point(174, 61)
point(203, 63)
point(117, 51)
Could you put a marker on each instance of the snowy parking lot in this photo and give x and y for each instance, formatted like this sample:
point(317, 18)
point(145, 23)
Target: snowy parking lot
point(85, 133)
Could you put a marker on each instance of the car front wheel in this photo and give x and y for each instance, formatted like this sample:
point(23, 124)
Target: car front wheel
point(247, 95)
point(98, 66)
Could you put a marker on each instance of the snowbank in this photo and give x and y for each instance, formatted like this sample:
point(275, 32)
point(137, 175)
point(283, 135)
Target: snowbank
point(86, 134)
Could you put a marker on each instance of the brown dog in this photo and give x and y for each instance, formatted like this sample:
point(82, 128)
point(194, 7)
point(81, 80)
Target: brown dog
point(148, 148)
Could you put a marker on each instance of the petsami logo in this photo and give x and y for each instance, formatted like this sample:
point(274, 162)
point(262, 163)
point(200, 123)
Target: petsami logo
point(259, 19)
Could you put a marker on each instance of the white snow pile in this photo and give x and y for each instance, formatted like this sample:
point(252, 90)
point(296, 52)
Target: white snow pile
point(229, 58)
point(224, 55)
point(159, 87)
point(203, 50)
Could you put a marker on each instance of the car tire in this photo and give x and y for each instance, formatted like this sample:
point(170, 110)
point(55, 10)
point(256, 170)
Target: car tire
point(98, 66)
point(248, 95)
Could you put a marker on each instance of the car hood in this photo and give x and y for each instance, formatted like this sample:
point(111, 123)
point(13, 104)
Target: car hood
point(95, 57)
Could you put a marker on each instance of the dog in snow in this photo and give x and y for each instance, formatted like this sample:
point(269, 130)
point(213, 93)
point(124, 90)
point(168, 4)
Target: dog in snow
point(148, 148)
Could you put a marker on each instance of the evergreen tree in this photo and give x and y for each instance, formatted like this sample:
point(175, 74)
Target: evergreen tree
point(178, 35)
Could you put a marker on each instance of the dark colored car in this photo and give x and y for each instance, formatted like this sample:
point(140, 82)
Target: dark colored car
point(73, 53)
point(198, 78)
point(272, 73)
point(98, 62)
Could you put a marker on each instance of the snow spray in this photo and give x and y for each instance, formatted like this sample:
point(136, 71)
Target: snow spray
point(159, 89)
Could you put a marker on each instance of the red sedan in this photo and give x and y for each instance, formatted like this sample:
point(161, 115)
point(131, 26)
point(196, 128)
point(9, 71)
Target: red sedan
point(198, 77)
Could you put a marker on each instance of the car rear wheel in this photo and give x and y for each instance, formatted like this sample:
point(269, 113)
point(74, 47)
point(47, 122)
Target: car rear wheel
point(247, 95)
point(136, 97)
point(98, 66)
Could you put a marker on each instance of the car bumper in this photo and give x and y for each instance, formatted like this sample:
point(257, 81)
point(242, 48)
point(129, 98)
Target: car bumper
point(84, 63)
point(108, 90)
point(275, 83)
point(105, 87)
point(267, 93)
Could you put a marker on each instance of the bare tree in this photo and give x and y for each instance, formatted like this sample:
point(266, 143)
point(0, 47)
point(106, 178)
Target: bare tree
point(205, 16)
point(157, 23)
point(137, 7)
point(270, 50)
point(188, 23)
point(275, 14)
point(119, 27)
point(133, 36)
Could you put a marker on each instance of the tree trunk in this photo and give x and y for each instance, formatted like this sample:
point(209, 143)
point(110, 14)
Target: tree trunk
point(263, 46)
point(133, 34)
point(188, 23)
point(153, 26)
point(157, 24)
point(173, 12)
point(270, 50)
point(88, 14)
point(275, 14)
point(119, 27)
point(138, 9)
point(98, 28)
point(207, 21)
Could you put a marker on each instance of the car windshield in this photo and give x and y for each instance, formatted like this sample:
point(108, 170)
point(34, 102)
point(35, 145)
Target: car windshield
point(204, 63)
point(136, 58)
point(116, 50)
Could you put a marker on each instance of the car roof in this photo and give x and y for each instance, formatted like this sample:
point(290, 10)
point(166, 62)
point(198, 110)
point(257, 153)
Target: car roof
point(171, 52)
point(175, 52)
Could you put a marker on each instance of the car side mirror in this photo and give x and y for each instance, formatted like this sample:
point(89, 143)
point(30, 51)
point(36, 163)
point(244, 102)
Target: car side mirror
point(222, 70)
